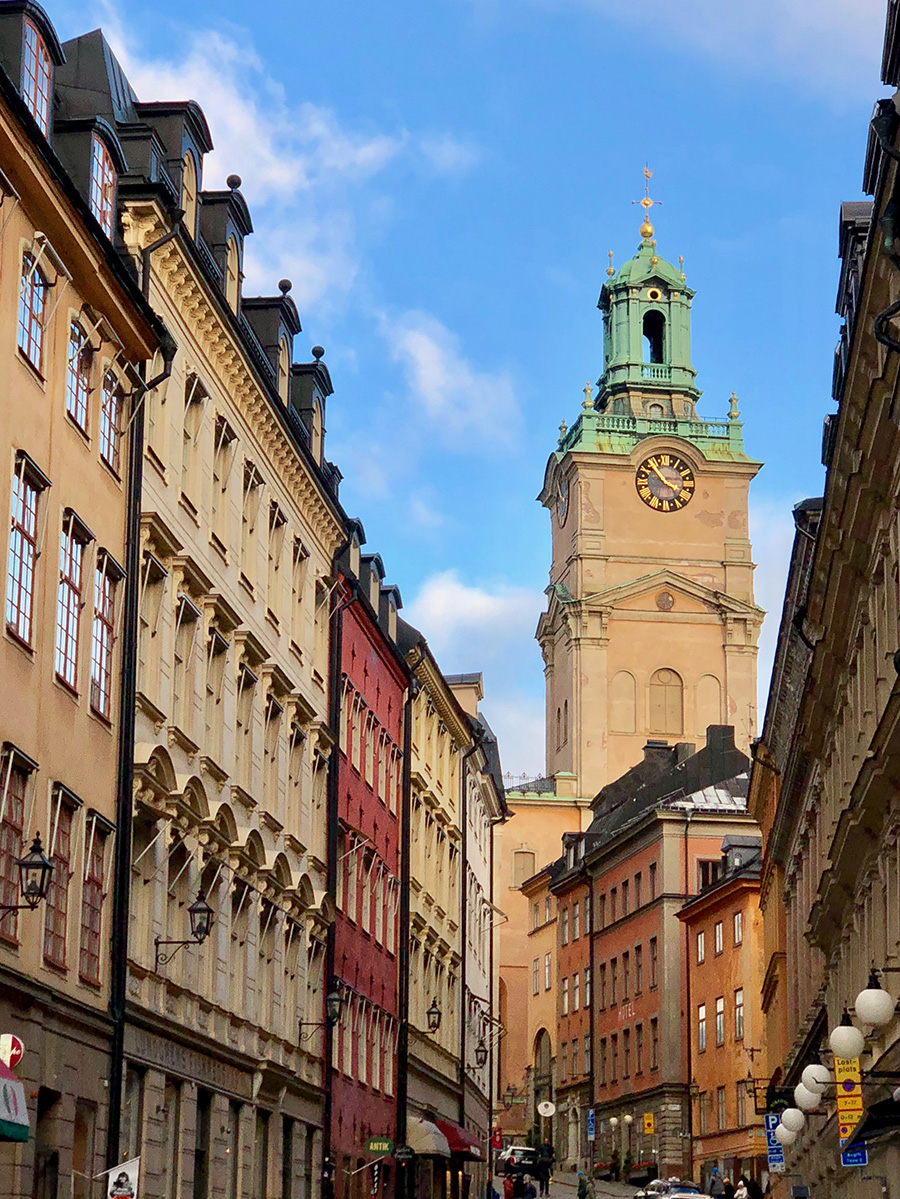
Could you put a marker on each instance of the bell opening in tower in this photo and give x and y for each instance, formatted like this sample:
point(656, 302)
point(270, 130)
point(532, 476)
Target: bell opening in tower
point(654, 336)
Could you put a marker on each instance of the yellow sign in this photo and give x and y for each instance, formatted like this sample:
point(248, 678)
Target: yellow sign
point(848, 1080)
point(648, 1124)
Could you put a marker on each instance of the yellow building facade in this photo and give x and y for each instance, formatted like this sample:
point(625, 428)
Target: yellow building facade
point(75, 333)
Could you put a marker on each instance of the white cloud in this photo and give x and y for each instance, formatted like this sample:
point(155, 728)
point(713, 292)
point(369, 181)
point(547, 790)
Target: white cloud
point(772, 535)
point(462, 401)
point(828, 44)
point(490, 628)
point(447, 155)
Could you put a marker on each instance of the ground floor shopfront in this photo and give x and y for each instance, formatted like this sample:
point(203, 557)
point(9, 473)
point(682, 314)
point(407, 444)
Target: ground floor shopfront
point(211, 1124)
point(64, 1072)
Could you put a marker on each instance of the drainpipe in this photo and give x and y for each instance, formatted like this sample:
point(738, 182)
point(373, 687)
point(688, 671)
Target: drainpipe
point(690, 1012)
point(405, 1174)
point(118, 958)
point(332, 842)
point(591, 1012)
point(464, 920)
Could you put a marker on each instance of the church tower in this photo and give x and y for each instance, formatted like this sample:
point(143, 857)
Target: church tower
point(650, 630)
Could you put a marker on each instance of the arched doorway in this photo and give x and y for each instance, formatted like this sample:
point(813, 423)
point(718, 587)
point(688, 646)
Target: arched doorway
point(542, 1085)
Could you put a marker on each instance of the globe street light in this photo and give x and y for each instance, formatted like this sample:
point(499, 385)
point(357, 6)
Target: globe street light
point(846, 1040)
point(793, 1119)
point(874, 1005)
point(805, 1099)
point(816, 1078)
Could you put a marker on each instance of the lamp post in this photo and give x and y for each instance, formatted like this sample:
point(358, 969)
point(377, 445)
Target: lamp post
point(334, 1001)
point(35, 869)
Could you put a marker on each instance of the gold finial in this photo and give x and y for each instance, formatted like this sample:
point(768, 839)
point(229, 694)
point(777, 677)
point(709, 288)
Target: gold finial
point(563, 429)
point(610, 269)
point(733, 410)
point(681, 268)
point(588, 402)
point(646, 203)
point(654, 258)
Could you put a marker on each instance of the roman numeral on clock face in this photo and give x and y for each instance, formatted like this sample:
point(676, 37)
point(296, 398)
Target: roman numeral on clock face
point(665, 482)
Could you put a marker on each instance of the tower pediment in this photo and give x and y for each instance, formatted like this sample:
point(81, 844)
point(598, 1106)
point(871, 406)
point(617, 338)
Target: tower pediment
point(642, 594)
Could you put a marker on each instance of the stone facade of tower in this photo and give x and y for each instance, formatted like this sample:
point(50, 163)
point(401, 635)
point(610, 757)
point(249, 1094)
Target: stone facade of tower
point(650, 629)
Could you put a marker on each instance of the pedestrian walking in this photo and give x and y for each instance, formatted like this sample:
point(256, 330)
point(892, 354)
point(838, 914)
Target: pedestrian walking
point(529, 1190)
point(509, 1187)
point(546, 1158)
point(716, 1185)
point(740, 1191)
point(729, 1188)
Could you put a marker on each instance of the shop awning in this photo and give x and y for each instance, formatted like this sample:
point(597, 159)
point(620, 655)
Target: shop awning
point(462, 1142)
point(425, 1138)
point(13, 1112)
point(880, 1118)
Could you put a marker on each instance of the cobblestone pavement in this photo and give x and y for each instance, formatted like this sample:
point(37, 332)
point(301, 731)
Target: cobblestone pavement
point(566, 1187)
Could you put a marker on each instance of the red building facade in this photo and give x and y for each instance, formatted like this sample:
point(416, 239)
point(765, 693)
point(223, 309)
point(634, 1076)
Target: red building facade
point(364, 971)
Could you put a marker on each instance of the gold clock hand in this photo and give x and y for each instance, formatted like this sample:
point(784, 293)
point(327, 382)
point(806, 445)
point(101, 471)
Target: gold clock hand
point(662, 478)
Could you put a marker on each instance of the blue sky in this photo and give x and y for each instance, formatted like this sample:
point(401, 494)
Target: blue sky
point(442, 182)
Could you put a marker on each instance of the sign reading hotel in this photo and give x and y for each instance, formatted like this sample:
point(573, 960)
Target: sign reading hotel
point(848, 1079)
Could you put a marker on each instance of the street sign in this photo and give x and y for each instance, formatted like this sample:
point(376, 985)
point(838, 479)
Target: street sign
point(380, 1145)
point(11, 1050)
point(403, 1153)
point(855, 1155)
point(848, 1079)
point(774, 1148)
point(648, 1124)
point(591, 1126)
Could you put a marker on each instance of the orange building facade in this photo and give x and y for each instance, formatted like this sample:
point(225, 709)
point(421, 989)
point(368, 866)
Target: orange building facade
point(725, 957)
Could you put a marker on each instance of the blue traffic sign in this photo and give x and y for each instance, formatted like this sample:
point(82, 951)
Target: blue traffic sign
point(774, 1148)
point(590, 1124)
point(855, 1155)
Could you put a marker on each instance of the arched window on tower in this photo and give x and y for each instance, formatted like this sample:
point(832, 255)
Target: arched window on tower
point(654, 336)
point(565, 730)
point(666, 702)
point(656, 412)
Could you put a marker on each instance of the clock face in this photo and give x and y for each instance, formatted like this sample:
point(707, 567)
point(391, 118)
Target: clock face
point(562, 500)
point(665, 482)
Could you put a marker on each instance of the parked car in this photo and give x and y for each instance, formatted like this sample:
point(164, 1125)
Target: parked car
point(668, 1188)
point(518, 1159)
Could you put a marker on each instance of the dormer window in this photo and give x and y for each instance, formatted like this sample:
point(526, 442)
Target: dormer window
point(232, 274)
point(36, 75)
point(103, 185)
point(189, 192)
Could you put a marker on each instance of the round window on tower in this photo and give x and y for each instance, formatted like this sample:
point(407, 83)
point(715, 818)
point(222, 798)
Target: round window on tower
point(654, 294)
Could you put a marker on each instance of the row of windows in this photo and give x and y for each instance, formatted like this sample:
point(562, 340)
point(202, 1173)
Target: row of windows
point(537, 921)
point(742, 1090)
point(367, 891)
point(77, 847)
point(620, 984)
point(536, 973)
point(75, 568)
point(230, 1143)
point(369, 748)
point(609, 913)
point(720, 1020)
point(609, 1053)
point(80, 374)
point(576, 991)
point(570, 1066)
point(573, 926)
point(364, 1045)
point(737, 932)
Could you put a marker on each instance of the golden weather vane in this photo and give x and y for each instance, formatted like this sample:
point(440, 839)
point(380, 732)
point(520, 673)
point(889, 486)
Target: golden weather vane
point(646, 203)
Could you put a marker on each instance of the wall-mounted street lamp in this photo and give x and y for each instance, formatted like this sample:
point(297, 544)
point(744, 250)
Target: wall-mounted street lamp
point(201, 917)
point(334, 1001)
point(434, 1016)
point(35, 869)
point(509, 1096)
point(846, 1040)
point(481, 1053)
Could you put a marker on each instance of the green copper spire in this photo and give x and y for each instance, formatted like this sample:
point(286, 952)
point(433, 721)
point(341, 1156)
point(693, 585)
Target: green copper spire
point(646, 308)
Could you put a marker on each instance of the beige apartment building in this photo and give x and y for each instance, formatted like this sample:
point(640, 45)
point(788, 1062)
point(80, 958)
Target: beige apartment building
point(239, 526)
point(74, 334)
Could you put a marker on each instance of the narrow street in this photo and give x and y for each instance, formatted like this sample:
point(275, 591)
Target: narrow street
point(566, 1187)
